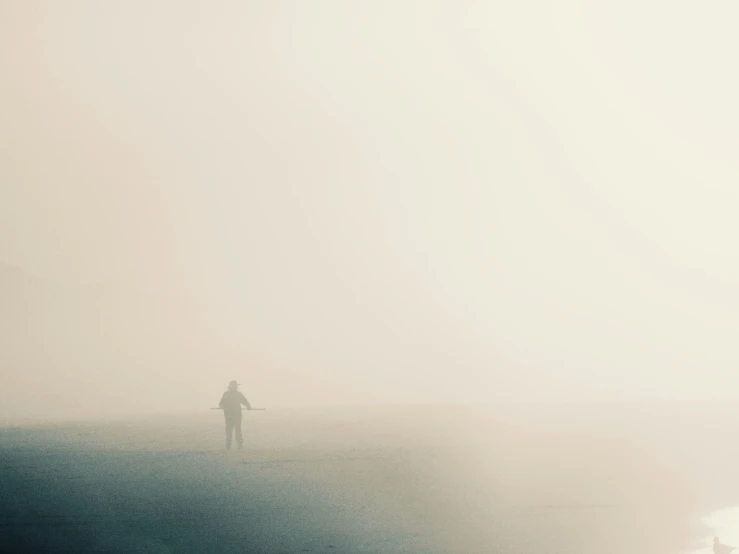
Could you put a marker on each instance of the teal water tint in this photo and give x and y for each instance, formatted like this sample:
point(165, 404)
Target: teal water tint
point(390, 481)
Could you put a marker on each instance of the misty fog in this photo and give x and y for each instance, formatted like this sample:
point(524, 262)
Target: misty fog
point(364, 203)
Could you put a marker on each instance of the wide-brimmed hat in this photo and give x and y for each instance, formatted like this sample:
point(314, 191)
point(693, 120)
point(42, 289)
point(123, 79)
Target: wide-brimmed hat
point(233, 383)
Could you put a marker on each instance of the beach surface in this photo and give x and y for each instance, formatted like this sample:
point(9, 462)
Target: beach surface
point(360, 480)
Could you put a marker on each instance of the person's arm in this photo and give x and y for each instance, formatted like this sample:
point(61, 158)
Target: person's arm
point(220, 404)
point(245, 402)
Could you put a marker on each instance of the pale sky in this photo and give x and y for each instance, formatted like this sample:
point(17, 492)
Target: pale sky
point(401, 201)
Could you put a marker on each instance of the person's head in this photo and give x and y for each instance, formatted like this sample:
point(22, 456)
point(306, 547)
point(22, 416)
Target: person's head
point(233, 385)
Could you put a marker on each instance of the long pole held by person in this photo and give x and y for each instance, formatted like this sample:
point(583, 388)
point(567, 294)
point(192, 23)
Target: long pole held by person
point(248, 409)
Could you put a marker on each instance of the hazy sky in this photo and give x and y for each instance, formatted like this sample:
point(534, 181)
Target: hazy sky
point(413, 200)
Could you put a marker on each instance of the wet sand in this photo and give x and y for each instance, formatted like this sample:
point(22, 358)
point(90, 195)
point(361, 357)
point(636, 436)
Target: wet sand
point(400, 480)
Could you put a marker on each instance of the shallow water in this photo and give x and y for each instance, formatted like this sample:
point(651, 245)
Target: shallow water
point(373, 481)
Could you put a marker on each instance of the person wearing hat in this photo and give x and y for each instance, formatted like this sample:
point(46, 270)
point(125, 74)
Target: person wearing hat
point(230, 403)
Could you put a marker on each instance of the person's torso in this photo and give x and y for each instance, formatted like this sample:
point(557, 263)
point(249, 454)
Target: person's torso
point(231, 401)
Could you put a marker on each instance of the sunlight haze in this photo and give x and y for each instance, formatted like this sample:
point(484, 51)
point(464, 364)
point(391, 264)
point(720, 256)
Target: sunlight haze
point(363, 203)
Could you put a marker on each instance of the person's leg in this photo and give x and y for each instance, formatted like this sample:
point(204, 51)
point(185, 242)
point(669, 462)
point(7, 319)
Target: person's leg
point(237, 426)
point(229, 432)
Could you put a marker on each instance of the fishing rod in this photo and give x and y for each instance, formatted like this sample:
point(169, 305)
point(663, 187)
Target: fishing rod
point(247, 409)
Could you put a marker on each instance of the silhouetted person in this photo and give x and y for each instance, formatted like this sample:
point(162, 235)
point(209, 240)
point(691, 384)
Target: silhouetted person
point(719, 548)
point(230, 403)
